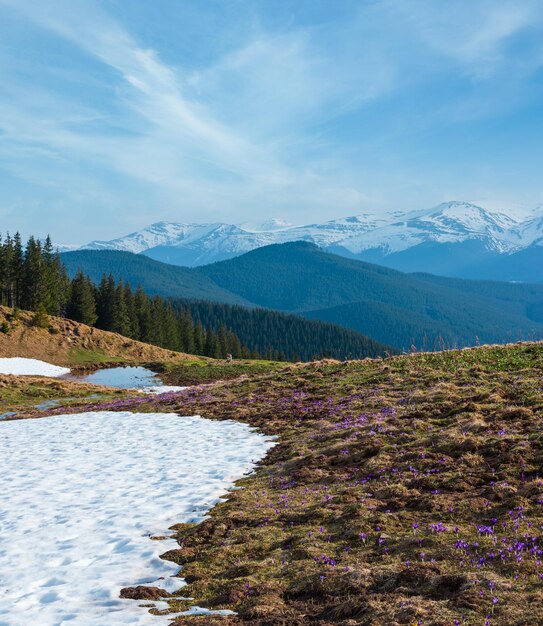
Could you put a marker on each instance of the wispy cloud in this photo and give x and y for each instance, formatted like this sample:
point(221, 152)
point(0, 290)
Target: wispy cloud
point(292, 118)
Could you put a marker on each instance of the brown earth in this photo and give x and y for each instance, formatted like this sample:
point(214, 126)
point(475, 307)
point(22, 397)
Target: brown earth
point(72, 344)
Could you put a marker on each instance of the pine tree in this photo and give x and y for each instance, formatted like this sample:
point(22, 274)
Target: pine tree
point(5, 263)
point(121, 318)
point(32, 286)
point(105, 303)
point(17, 271)
point(143, 313)
point(132, 313)
point(41, 319)
point(199, 339)
point(222, 338)
point(157, 316)
point(186, 330)
point(211, 345)
point(81, 306)
point(234, 346)
point(171, 332)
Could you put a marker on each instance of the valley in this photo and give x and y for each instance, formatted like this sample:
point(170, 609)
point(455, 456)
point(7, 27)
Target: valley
point(271, 313)
point(405, 311)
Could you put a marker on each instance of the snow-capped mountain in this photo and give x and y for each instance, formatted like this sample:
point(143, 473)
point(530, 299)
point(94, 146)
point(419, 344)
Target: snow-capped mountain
point(274, 223)
point(531, 231)
point(453, 238)
point(450, 222)
point(159, 234)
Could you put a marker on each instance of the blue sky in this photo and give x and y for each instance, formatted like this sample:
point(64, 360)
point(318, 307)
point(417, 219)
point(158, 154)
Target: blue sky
point(118, 113)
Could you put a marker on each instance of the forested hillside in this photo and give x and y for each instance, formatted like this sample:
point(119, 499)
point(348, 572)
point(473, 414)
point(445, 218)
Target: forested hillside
point(403, 310)
point(154, 277)
point(34, 278)
point(300, 339)
point(407, 311)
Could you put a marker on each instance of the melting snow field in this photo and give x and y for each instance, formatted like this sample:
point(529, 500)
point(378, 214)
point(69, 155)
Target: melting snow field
point(81, 494)
point(31, 367)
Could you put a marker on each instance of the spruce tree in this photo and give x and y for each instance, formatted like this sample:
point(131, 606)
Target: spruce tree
point(32, 286)
point(132, 313)
point(171, 332)
point(199, 339)
point(222, 339)
point(105, 303)
point(81, 307)
point(16, 271)
point(41, 319)
point(143, 313)
point(121, 318)
point(186, 331)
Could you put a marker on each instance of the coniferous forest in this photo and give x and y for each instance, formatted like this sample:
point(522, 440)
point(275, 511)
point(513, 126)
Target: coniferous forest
point(33, 277)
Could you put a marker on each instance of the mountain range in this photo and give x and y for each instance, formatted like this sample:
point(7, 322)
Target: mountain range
point(455, 239)
point(391, 307)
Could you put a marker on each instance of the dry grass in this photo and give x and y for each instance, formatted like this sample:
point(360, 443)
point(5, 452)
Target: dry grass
point(404, 491)
point(71, 344)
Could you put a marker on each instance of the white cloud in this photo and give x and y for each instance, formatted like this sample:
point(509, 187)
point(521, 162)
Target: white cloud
point(472, 33)
point(255, 128)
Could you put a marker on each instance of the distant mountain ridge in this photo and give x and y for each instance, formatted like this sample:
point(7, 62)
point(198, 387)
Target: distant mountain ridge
point(453, 239)
point(268, 332)
point(389, 306)
point(156, 278)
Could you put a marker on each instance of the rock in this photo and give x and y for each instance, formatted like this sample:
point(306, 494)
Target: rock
point(141, 592)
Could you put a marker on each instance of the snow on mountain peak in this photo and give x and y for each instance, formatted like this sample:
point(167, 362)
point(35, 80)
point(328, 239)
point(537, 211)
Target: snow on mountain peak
point(449, 222)
point(274, 223)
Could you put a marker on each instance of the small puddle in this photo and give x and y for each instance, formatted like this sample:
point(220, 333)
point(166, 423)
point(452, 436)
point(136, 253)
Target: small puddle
point(131, 377)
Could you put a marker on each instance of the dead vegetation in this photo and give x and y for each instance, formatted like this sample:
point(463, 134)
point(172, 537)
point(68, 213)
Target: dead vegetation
point(72, 344)
point(402, 491)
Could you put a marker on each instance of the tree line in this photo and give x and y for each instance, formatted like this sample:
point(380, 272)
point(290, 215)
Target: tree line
point(33, 278)
point(299, 338)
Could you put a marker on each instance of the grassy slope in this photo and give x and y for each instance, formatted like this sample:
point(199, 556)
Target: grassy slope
point(71, 344)
point(403, 491)
point(78, 346)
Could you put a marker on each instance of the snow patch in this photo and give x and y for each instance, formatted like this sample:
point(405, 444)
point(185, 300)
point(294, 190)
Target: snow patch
point(80, 495)
point(158, 389)
point(30, 367)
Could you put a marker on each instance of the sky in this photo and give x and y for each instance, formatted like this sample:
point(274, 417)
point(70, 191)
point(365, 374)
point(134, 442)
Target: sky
point(115, 114)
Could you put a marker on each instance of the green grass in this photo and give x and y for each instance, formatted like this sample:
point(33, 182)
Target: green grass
point(374, 507)
point(23, 396)
point(80, 356)
point(194, 372)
